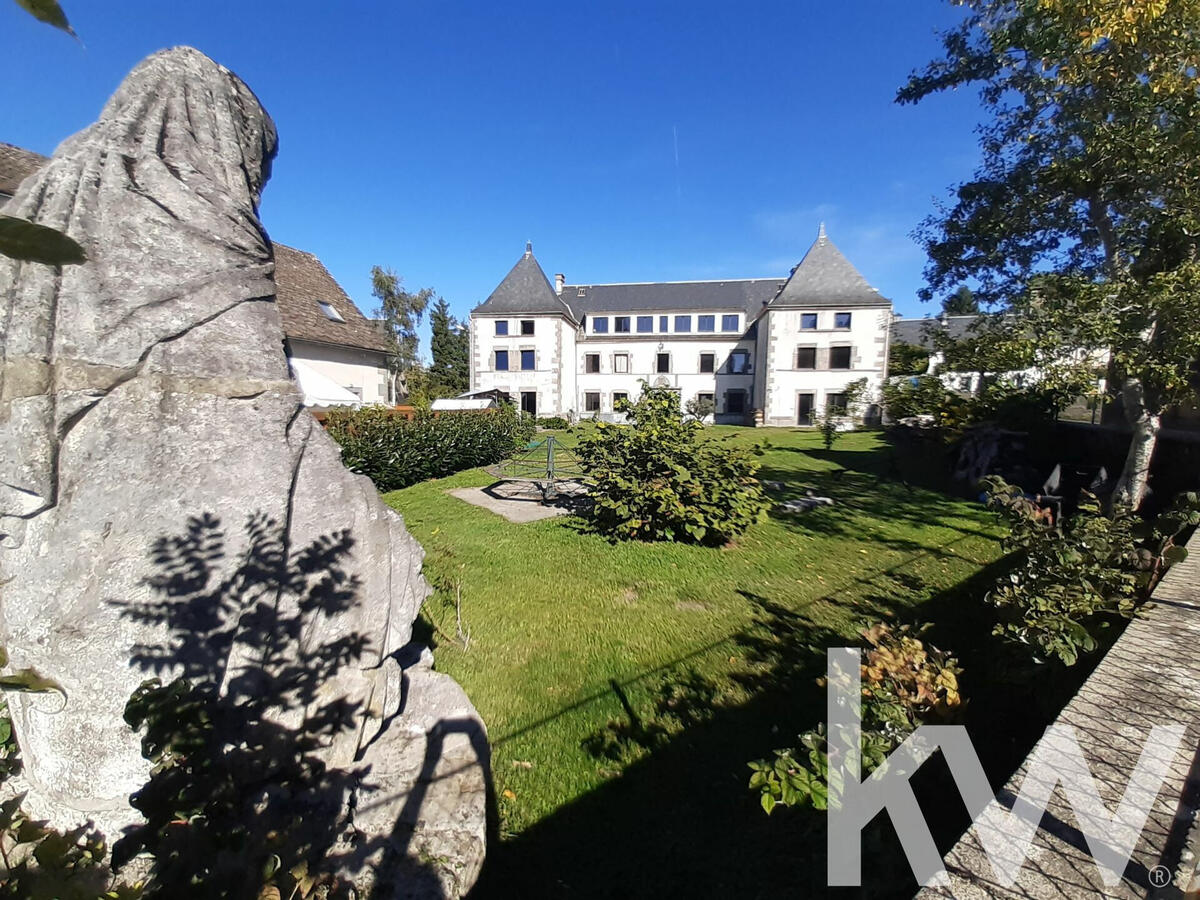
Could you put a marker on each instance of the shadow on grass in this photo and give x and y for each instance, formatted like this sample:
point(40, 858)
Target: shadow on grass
point(680, 820)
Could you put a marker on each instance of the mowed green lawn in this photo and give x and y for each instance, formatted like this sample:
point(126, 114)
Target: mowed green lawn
point(614, 677)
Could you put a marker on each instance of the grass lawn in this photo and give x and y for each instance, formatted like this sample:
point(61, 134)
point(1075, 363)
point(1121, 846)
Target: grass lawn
point(625, 686)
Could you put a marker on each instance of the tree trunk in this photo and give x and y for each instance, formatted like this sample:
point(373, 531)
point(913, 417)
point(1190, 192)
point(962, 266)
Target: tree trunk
point(1131, 488)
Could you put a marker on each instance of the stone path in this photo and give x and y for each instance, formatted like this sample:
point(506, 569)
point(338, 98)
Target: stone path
point(517, 507)
point(1150, 677)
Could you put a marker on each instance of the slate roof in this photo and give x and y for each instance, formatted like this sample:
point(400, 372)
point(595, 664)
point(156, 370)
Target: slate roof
point(524, 290)
point(916, 331)
point(825, 279)
point(17, 164)
point(747, 294)
point(301, 281)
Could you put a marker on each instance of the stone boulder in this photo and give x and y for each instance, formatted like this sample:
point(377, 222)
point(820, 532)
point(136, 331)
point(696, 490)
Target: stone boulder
point(161, 485)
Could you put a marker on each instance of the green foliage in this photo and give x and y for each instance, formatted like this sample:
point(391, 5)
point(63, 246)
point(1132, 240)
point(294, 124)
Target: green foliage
point(401, 311)
point(450, 345)
point(30, 242)
point(905, 684)
point(1079, 576)
point(395, 452)
point(1083, 220)
point(48, 11)
point(557, 423)
point(701, 407)
point(224, 819)
point(915, 396)
point(961, 303)
point(833, 416)
point(657, 478)
point(907, 359)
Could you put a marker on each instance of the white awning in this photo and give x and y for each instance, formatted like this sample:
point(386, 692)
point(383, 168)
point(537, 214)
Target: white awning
point(320, 390)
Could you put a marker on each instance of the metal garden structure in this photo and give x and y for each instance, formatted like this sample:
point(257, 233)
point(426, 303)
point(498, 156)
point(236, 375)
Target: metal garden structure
point(546, 465)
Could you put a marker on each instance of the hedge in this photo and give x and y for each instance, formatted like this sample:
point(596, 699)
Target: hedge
point(395, 452)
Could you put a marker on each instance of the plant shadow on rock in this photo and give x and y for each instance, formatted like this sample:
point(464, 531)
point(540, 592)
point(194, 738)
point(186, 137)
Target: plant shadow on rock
point(241, 797)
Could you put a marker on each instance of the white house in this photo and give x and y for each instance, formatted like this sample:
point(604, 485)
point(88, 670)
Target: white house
point(772, 351)
point(326, 333)
point(335, 354)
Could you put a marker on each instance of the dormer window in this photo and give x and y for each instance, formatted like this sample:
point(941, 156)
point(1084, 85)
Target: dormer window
point(330, 313)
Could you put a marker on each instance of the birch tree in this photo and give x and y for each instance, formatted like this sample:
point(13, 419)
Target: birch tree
point(1082, 222)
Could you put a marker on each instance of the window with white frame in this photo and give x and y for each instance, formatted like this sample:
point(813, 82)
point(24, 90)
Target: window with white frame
point(621, 363)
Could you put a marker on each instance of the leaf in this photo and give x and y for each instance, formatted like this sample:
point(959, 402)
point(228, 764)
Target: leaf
point(48, 11)
point(29, 681)
point(30, 242)
point(1175, 554)
point(768, 803)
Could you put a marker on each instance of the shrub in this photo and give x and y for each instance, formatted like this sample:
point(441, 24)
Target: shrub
point(701, 407)
point(659, 478)
point(832, 417)
point(395, 452)
point(914, 396)
point(905, 684)
point(557, 423)
point(1082, 574)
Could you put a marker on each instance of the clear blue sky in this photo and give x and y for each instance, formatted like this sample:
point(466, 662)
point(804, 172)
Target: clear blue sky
point(629, 141)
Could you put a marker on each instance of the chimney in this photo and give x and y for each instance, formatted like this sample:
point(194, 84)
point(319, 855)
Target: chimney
point(559, 279)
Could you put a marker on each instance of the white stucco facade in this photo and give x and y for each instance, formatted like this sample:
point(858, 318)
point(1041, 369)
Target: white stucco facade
point(804, 365)
point(532, 360)
point(363, 373)
point(771, 351)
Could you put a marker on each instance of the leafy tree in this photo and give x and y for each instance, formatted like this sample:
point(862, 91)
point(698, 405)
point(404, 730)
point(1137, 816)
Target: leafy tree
point(401, 312)
point(450, 345)
point(832, 416)
point(658, 478)
point(907, 359)
point(1083, 220)
point(1081, 575)
point(701, 407)
point(961, 303)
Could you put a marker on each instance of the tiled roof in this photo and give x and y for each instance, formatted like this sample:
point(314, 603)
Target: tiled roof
point(916, 331)
point(747, 295)
point(524, 290)
point(301, 282)
point(16, 165)
point(826, 279)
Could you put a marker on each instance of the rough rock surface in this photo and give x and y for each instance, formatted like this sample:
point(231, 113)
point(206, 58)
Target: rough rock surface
point(145, 398)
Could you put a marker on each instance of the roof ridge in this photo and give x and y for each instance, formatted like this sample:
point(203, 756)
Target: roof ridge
point(686, 281)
